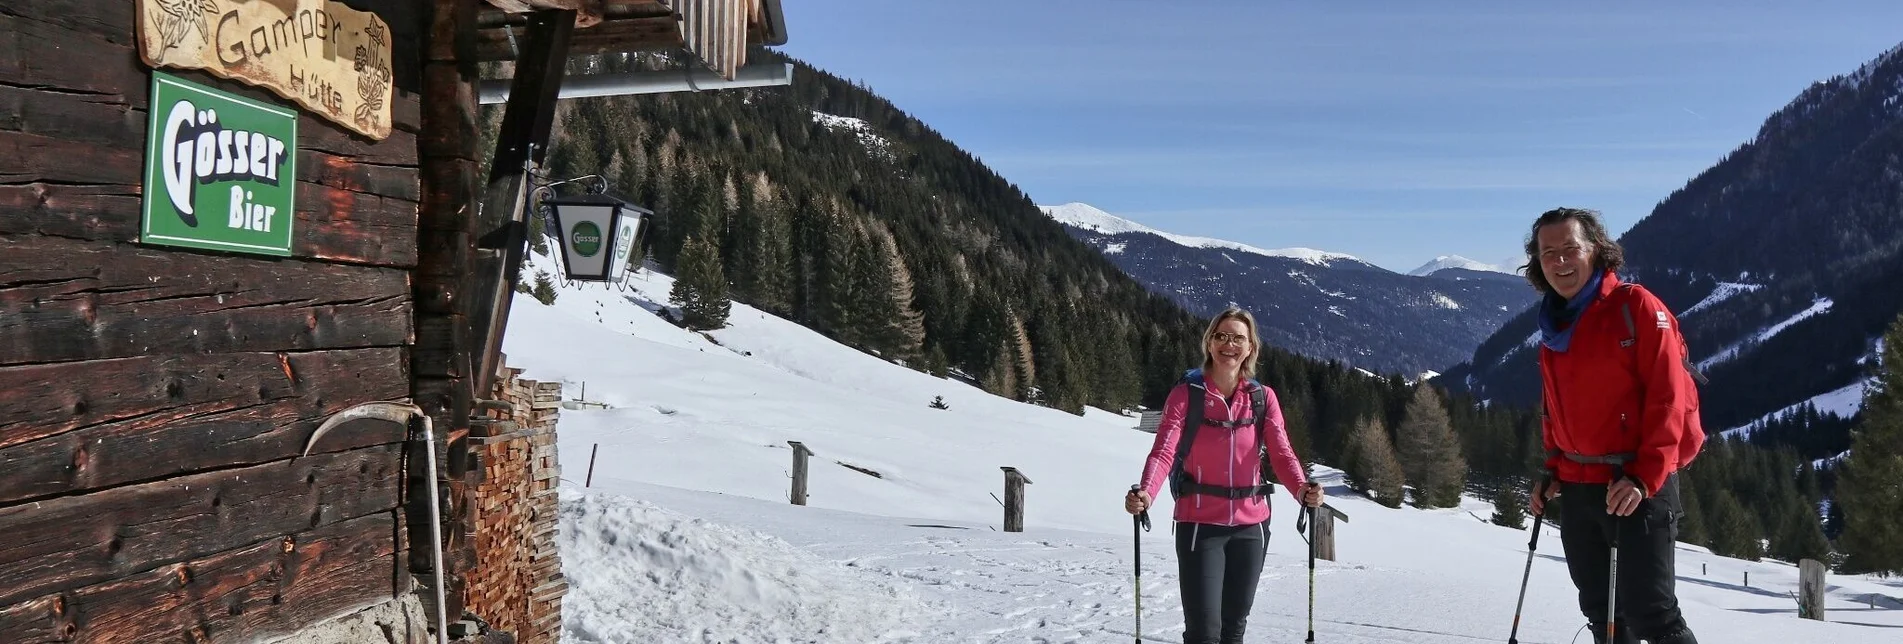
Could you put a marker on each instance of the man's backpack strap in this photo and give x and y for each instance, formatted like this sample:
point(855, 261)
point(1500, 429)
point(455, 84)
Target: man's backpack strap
point(1632, 335)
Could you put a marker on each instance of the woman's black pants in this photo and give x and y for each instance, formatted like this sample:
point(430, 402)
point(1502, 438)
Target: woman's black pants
point(1218, 567)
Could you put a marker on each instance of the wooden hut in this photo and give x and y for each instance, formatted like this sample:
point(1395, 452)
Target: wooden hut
point(223, 222)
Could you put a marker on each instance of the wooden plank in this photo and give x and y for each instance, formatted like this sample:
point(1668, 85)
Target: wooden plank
point(266, 589)
point(641, 34)
point(357, 175)
point(347, 226)
point(111, 21)
point(76, 117)
point(108, 212)
point(64, 300)
point(76, 541)
point(152, 417)
point(32, 157)
point(331, 223)
point(112, 122)
point(36, 53)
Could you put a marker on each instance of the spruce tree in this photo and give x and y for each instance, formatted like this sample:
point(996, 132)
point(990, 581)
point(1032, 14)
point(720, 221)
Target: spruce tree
point(1870, 488)
point(1800, 536)
point(1691, 528)
point(1509, 506)
point(773, 244)
point(1735, 531)
point(1429, 452)
point(699, 288)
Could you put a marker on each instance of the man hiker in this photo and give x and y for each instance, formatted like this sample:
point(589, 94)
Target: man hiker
point(1621, 418)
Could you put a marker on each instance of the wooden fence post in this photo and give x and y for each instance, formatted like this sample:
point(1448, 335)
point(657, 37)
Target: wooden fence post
point(799, 471)
point(1014, 482)
point(590, 481)
point(1810, 594)
point(1324, 535)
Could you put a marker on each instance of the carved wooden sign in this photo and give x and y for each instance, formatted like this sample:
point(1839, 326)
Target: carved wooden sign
point(330, 58)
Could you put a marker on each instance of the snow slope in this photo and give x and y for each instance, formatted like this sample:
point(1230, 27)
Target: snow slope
point(1844, 402)
point(1821, 305)
point(1090, 218)
point(686, 535)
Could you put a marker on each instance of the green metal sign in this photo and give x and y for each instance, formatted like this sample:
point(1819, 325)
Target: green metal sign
point(220, 170)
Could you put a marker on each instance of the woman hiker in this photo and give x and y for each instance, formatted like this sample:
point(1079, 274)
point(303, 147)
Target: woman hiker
point(1621, 419)
point(1222, 505)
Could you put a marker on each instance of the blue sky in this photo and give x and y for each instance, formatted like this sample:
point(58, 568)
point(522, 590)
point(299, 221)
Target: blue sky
point(1394, 131)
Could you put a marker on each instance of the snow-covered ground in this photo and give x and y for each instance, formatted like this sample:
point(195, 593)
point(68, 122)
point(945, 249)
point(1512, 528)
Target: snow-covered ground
point(1844, 402)
point(1724, 291)
point(1821, 305)
point(686, 535)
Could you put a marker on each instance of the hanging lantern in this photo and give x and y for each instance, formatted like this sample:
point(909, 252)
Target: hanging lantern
point(600, 236)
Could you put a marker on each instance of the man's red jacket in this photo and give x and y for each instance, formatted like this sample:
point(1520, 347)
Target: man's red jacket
point(1621, 390)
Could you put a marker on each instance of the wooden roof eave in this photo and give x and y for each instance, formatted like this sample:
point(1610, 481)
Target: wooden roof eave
point(637, 26)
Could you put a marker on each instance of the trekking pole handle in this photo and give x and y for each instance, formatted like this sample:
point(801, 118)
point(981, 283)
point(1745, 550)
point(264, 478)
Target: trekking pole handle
point(1142, 517)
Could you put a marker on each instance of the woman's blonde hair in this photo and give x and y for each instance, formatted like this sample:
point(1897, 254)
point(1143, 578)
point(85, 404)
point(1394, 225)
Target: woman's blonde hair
point(1255, 339)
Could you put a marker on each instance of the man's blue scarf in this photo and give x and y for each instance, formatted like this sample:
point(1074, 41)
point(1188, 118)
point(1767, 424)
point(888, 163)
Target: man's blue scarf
point(1556, 312)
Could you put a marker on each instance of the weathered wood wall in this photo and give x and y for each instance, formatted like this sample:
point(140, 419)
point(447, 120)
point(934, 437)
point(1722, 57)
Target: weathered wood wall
point(517, 585)
point(153, 400)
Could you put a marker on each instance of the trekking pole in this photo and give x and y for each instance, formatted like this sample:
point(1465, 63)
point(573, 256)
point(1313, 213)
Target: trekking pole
point(1302, 528)
point(1140, 520)
point(1612, 577)
point(1532, 544)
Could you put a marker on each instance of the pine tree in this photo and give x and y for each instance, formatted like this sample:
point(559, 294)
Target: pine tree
point(699, 288)
point(1509, 506)
point(1800, 536)
point(544, 290)
point(1870, 488)
point(773, 246)
point(1373, 468)
point(1429, 452)
point(1734, 531)
point(1691, 528)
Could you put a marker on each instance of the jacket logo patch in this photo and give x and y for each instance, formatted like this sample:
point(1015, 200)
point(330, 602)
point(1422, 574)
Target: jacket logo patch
point(1664, 322)
point(1627, 343)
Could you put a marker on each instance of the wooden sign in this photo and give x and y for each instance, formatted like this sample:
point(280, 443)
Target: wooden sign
point(330, 58)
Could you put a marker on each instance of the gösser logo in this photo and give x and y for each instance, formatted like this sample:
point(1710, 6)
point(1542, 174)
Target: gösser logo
point(198, 151)
point(587, 239)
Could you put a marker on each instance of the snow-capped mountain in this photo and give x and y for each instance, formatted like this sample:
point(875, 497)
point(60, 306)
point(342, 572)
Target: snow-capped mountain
point(1781, 261)
point(1455, 261)
point(1089, 218)
point(1316, 303)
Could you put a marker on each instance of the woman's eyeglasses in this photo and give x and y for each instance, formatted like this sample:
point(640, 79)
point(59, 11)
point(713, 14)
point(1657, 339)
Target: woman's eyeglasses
point(1223, 337)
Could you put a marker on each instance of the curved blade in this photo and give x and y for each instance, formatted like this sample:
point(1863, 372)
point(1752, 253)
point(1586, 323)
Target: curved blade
point(395, 412)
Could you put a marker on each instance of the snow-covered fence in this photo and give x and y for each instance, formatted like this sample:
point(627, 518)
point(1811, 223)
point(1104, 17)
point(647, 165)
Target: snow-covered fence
point(1014, 482)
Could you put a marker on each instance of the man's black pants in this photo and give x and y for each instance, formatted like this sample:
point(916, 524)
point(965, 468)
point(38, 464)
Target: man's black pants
point(1218, 567)
point(1648, 601)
